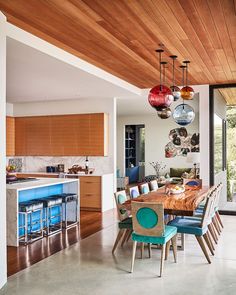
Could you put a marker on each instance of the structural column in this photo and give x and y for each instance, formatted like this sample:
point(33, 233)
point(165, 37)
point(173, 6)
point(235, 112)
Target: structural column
point(3, 251)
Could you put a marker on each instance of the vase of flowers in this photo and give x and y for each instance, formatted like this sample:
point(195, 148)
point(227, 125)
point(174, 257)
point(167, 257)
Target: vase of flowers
point(158, 167)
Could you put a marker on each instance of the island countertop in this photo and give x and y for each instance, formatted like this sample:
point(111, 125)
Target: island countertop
point(38, 182)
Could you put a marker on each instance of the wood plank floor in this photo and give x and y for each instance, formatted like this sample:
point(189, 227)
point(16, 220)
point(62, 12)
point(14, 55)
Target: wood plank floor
point(25, 256)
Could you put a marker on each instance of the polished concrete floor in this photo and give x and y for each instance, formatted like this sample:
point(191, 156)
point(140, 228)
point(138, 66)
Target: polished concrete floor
point(89, 268)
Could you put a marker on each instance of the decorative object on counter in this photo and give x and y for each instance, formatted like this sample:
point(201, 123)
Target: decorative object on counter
point(181, 143)
point(86, 165)
point(61, 168)
point(76, 169)
point(17, 162)
point(158, 167)
point(50, 169)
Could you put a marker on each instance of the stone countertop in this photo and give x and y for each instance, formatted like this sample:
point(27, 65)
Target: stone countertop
point(39, 182)
point(58, 173)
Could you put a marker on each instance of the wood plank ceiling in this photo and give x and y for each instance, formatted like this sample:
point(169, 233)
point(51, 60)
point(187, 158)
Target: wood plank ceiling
point(120, 36)
point(229, 95)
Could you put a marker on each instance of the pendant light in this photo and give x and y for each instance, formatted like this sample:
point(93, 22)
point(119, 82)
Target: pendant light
point(165, 112)
point(175, 89)
point(183, 114)
point(187, 92)
point(160, 96)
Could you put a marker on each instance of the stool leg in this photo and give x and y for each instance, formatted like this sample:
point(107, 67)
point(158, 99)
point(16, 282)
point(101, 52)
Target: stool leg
point(26, 228)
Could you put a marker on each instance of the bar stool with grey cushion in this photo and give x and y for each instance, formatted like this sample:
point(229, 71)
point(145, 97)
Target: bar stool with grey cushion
point(32, 212)
point(67, 200)
point(52, 221)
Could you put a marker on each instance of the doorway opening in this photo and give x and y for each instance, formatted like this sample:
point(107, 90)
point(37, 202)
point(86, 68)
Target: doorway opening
point(134, 152)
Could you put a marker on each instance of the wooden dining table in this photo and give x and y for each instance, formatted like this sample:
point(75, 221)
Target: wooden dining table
point(183, 204)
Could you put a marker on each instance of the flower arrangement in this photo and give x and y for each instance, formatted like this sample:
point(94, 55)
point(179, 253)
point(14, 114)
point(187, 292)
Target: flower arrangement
point(158, 166)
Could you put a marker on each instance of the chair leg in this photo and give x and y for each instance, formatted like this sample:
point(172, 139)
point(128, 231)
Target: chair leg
point(149, 250)
point(129, 235)
point(204, 250)
point(142, 250)
point(219, 219)
point(133, 256)
point(182, 241)
point(208, 243)
point(216, 225)
point(163, 247)
point(119, 236)
point(167, 250)
point(210, 240)
point(212, 232)
point(174, 245)
point(124, 237)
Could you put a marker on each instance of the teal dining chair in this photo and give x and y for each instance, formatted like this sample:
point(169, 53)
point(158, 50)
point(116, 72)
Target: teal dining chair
point(134, 192)
point(144, 188)
point(149, 227)
point(198, 226)
point(125, 220)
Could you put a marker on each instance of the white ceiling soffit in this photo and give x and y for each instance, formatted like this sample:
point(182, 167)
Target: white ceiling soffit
point(140, 105)
point(35, 76)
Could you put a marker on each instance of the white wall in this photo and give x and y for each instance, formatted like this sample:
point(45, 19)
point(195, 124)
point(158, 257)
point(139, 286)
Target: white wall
point(3, 254)
point(9, 109)
point(156, 137)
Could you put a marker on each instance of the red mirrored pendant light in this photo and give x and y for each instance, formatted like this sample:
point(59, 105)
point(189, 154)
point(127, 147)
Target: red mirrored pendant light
point(187, 92)
point(175, 89)
point(160, 96)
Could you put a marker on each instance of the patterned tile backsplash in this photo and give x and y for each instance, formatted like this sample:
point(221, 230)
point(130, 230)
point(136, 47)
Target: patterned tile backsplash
point(102, 165)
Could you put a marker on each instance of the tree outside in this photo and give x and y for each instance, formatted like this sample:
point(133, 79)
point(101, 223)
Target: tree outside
point(231, 152)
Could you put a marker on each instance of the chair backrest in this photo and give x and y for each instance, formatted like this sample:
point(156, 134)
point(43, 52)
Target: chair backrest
point(145, 188)
point(134, 192)
point(148, 218)
point(218, 193)
point(193, 182)
point(121, 198)
point(154, 185)
point(209, 207)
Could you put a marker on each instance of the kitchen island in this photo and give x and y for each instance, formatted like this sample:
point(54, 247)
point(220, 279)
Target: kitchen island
point(30, 190)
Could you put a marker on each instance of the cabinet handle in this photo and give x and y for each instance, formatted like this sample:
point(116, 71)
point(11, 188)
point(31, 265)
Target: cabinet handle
point(88, 195)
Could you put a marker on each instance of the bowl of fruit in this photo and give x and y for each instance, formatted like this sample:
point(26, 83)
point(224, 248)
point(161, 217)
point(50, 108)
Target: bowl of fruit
point(177, 189)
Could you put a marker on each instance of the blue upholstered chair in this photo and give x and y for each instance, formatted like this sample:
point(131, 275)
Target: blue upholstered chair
point(134, 192)
point(125, 220)
point(149, 227)
point(198, 226)
point(153, 185)
point(144, 188)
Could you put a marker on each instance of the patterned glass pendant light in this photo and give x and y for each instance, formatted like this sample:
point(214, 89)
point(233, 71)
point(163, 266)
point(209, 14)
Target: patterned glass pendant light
point(183, 114)
point(187, 92)
point(175, 89)
point(160, 96)
point(165, 113)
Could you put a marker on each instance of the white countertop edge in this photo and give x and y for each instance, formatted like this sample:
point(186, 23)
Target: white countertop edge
point(57, 173)
point(40, 182)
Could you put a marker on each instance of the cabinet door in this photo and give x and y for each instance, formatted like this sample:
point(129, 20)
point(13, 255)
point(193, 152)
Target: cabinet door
point(20, 137)
point(90, 192)
point(98, 135)
point(82, 134)
point(38, 136)
point(10, 136)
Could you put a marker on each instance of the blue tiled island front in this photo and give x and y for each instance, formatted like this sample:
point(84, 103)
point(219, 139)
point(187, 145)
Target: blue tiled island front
point(39, 188)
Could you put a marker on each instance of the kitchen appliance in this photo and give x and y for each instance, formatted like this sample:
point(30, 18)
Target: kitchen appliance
point(61, 168)
point(19, 180)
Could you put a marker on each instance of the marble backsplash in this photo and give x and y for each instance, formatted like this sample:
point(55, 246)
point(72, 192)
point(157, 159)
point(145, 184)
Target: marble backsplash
point(102, 165)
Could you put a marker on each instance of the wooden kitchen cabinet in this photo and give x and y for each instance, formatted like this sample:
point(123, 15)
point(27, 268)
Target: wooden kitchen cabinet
point(90, 193)
point(62, 135)
point(10, 136)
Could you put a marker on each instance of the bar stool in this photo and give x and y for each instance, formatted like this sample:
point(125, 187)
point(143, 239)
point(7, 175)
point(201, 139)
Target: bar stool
point(67, 200)
point(52, 214)
point(32, 213)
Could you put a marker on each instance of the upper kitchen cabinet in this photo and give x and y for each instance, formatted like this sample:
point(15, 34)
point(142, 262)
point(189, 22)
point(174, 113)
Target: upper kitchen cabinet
point(10, 136)
point(62, 135)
